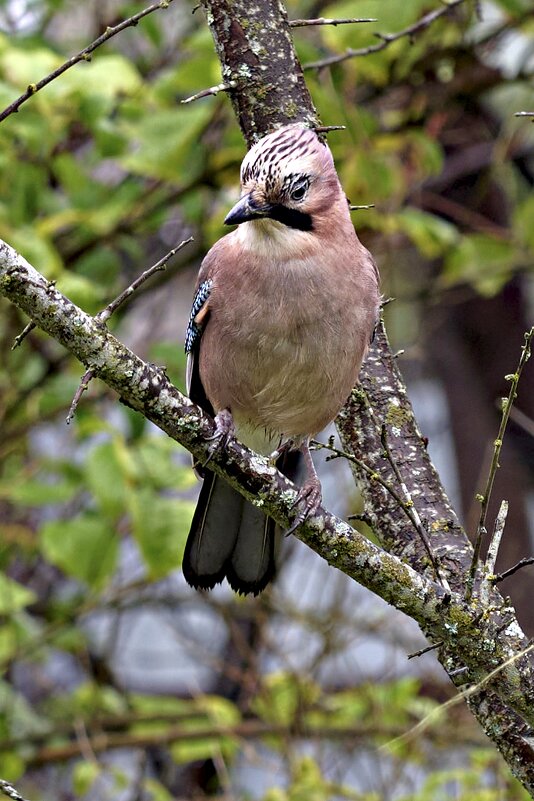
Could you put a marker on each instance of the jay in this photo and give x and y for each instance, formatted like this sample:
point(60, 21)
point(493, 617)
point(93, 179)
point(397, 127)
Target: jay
point(285, 307)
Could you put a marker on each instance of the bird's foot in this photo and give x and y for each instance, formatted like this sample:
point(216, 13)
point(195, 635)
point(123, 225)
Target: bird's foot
point(224, 431)
point(283, 448)
point(309, 499)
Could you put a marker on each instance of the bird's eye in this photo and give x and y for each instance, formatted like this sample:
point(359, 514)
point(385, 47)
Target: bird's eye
point(299, 191)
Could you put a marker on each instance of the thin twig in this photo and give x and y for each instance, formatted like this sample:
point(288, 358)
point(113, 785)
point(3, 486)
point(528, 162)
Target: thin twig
point(104, 315)
point(463, 695)
point(409, 505)
point(30, 326)
point(493, 550)
point(83, 55)
point(304, 23)
point(23, 334)
point(160, 265)
point(458, 671)
point(497, 445)
point(524, 114)
point(426, 650)
point(386, 39)
point(243, 731)
point(405, 503)
point(528, 560)
point(82, 387)
point(373, 475)
point(9, 790)
point(328, 128)
point(213, 90)
point(352, 207)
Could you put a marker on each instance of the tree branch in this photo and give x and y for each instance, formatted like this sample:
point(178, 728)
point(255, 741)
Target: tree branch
point(386, 38)
point(247, 729)
point(146, 388)
point(83, 55)
point(9, 791)
point(240, 31)
point(307, 23)
point(497, 446)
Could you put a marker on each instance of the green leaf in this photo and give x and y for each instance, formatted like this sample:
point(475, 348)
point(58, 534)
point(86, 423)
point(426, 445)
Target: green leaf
point(28, 65)
point(198, 67)
point(17, 717)
point(165, 143)
point(84, 776)
point(282, 695)
point(81, 291)
point(157, 465)
point(101, 80)
point(160, 527)
point(431, 235)
point(173, 357)
point(109, 139)
point(219, 712)
point(13, 596)
point(522, 221)
point(38, 250)
point(40, 493)
point(481, 260)
point(12, 766)
point(156, 791)
point(93, 698)
point(58, 392)
point(369, 175)
point(106, 477)
point(85, 547)
point(17, 632)
point(515, 7)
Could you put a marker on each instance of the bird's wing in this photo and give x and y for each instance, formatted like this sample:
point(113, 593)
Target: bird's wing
point(198, 316)
point(197, 321)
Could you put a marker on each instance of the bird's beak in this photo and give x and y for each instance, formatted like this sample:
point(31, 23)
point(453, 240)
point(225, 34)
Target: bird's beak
point(246, 209)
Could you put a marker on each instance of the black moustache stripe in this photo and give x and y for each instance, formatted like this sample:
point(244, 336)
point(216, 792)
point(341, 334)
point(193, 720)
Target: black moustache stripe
point(291, 217)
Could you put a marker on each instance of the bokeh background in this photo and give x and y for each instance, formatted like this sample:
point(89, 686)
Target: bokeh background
point(116, 677)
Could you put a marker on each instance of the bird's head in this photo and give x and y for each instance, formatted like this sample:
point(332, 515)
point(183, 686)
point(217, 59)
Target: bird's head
point(288, 176)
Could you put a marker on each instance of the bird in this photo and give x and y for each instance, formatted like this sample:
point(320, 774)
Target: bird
point(284, 309)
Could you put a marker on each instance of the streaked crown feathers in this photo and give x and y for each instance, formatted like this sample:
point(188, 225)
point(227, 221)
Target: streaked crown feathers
point(294, 146)
point(286, 161)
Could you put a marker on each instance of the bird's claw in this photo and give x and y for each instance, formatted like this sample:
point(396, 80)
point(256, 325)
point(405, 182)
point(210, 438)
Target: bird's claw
point(309, 498)
point(224, 431)
point(275, 455)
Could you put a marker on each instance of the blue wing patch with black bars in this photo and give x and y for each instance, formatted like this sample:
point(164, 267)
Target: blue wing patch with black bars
point(193, 332)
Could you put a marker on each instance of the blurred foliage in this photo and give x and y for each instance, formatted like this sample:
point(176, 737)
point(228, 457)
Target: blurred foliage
point(101, 173)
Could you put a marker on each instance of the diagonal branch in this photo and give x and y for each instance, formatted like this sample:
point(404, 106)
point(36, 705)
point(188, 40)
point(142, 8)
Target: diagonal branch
point(146, 388)
point(9, 791)
point(83, 55)
point(387, 38)
point(310, 23)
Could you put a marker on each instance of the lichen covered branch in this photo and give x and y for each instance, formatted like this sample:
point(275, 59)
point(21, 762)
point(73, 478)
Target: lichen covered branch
point(146, 388)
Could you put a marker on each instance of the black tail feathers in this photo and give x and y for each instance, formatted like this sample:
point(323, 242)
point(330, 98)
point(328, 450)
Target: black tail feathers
point(229, 537)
